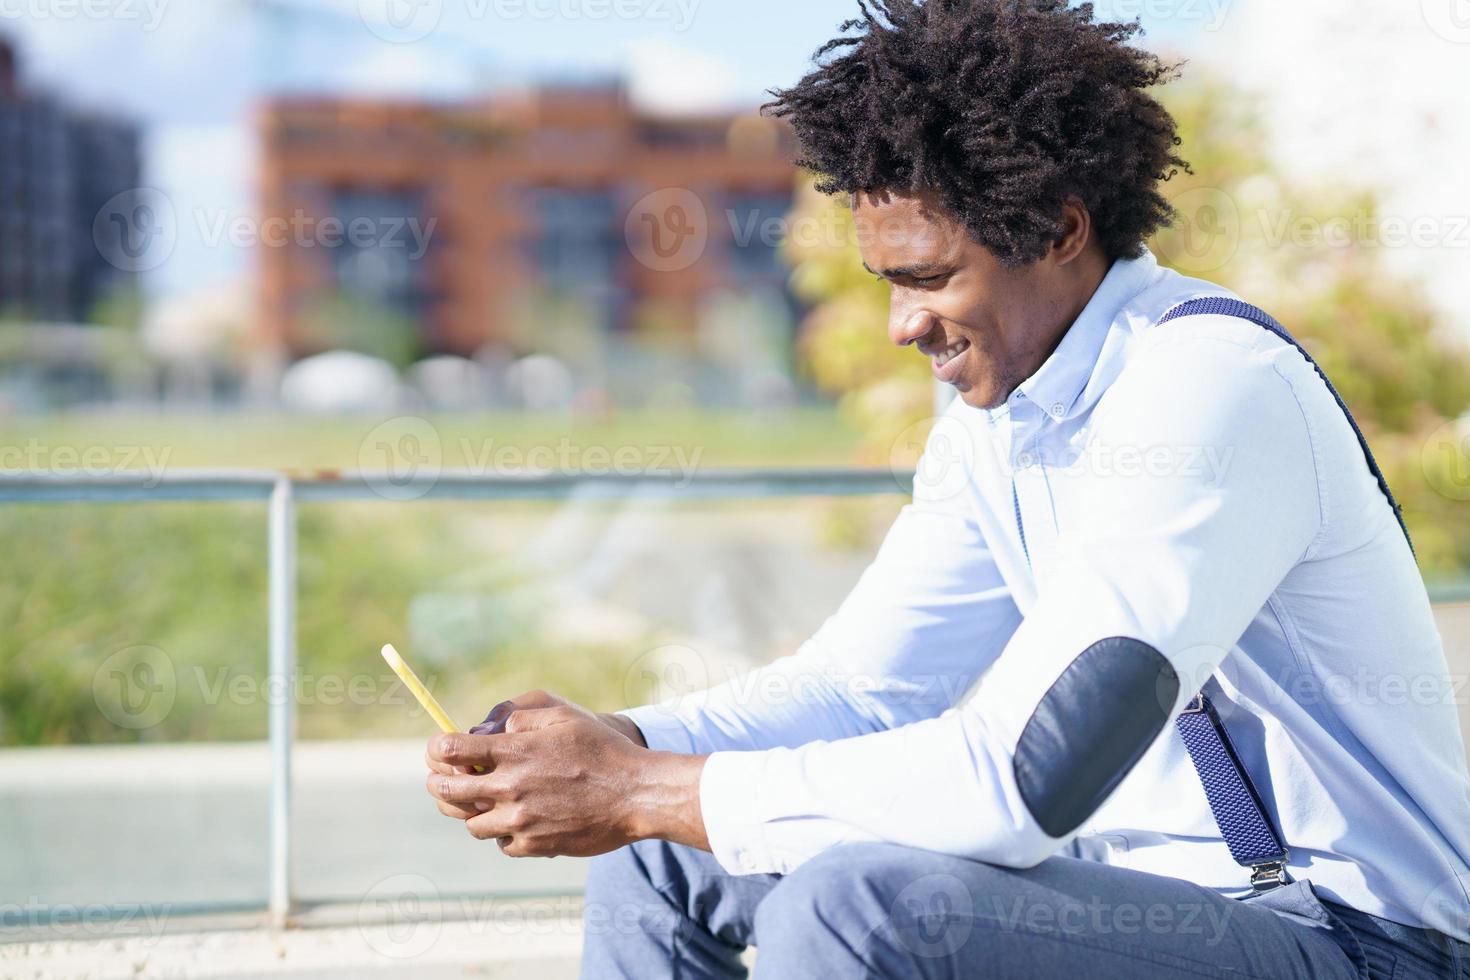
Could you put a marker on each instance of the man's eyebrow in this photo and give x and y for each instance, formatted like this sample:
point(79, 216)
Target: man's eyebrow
point(916, 271)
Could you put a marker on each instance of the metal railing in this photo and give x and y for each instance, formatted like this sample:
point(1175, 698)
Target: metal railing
point(283, 490)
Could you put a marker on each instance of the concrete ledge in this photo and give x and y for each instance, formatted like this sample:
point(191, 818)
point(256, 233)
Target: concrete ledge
point(497, 938)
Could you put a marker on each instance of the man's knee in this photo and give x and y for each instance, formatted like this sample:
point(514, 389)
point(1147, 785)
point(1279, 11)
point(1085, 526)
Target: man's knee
point(869, 904)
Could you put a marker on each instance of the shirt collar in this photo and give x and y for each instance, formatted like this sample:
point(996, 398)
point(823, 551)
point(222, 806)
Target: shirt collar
point(1061, 378)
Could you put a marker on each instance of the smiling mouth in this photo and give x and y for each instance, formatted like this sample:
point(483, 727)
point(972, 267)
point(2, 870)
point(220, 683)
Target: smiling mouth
point(950, 353)
point(949, 361)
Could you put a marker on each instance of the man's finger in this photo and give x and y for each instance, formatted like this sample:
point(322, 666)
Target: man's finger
point(463, 751)
point(460, 788)
point(436, 766)
point(496, 823)
point(459, 811)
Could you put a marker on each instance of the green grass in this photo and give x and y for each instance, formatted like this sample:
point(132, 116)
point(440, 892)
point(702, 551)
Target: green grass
point(173, 597)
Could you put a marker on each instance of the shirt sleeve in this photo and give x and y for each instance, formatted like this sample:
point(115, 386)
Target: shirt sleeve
point(925, 620)
point(1150, 588)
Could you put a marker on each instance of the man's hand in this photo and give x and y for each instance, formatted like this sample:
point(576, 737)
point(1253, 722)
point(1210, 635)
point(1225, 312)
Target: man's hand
point(561, 780)
point(494, 722)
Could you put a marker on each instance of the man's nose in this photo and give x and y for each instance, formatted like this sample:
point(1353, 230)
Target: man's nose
point(909, 324)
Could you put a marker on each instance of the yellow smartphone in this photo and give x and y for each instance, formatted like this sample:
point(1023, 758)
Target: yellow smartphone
point(411, 681)
point(426, 700)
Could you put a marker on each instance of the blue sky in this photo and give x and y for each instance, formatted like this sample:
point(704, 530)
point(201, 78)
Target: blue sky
point(195, 61)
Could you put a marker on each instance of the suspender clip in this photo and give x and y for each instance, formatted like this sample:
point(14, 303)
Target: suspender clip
point(1269, 875)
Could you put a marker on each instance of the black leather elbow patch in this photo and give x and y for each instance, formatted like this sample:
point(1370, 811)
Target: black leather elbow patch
point(1090, 729)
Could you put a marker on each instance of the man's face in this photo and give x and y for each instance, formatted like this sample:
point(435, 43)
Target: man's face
point(984, 327)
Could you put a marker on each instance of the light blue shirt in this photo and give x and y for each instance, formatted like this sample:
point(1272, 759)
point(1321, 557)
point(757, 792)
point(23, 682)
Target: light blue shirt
point(1192, 485)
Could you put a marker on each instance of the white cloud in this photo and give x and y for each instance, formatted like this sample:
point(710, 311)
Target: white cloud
point(666, 77)
point(407, 71)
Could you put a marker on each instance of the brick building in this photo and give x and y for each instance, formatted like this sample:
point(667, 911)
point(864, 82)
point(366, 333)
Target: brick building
point(536, 192)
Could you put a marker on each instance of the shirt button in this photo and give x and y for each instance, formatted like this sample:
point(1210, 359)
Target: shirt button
point(1057, 410)
point(746, 860)
point(1025, 461)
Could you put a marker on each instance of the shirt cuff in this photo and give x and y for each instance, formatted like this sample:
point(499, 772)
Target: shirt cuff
point(662, 729)
point(729, 798)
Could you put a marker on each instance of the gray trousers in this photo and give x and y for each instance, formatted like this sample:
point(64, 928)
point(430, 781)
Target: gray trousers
point(879, 910)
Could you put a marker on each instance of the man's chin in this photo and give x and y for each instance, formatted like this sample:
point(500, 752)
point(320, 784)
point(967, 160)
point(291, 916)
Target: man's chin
point(981, 396)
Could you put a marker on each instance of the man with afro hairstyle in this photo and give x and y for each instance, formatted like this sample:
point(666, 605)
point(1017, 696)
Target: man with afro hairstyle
point(1124, 693)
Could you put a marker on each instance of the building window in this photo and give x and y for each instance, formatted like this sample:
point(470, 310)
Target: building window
point(382, 252)
point(577, 247)
point(755, 224)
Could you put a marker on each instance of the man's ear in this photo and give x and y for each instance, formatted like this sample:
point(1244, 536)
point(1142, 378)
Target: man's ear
point(1076, 232)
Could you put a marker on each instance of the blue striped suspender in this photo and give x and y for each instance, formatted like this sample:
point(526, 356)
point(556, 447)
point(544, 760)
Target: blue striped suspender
point(1238, 809)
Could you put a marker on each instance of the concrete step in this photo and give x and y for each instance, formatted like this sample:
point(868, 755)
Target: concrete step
point(392, 938)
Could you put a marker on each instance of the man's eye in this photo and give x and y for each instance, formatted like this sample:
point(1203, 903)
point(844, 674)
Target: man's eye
point(914, 281)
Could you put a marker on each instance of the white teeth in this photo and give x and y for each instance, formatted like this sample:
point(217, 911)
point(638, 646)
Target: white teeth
point(950, 353)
